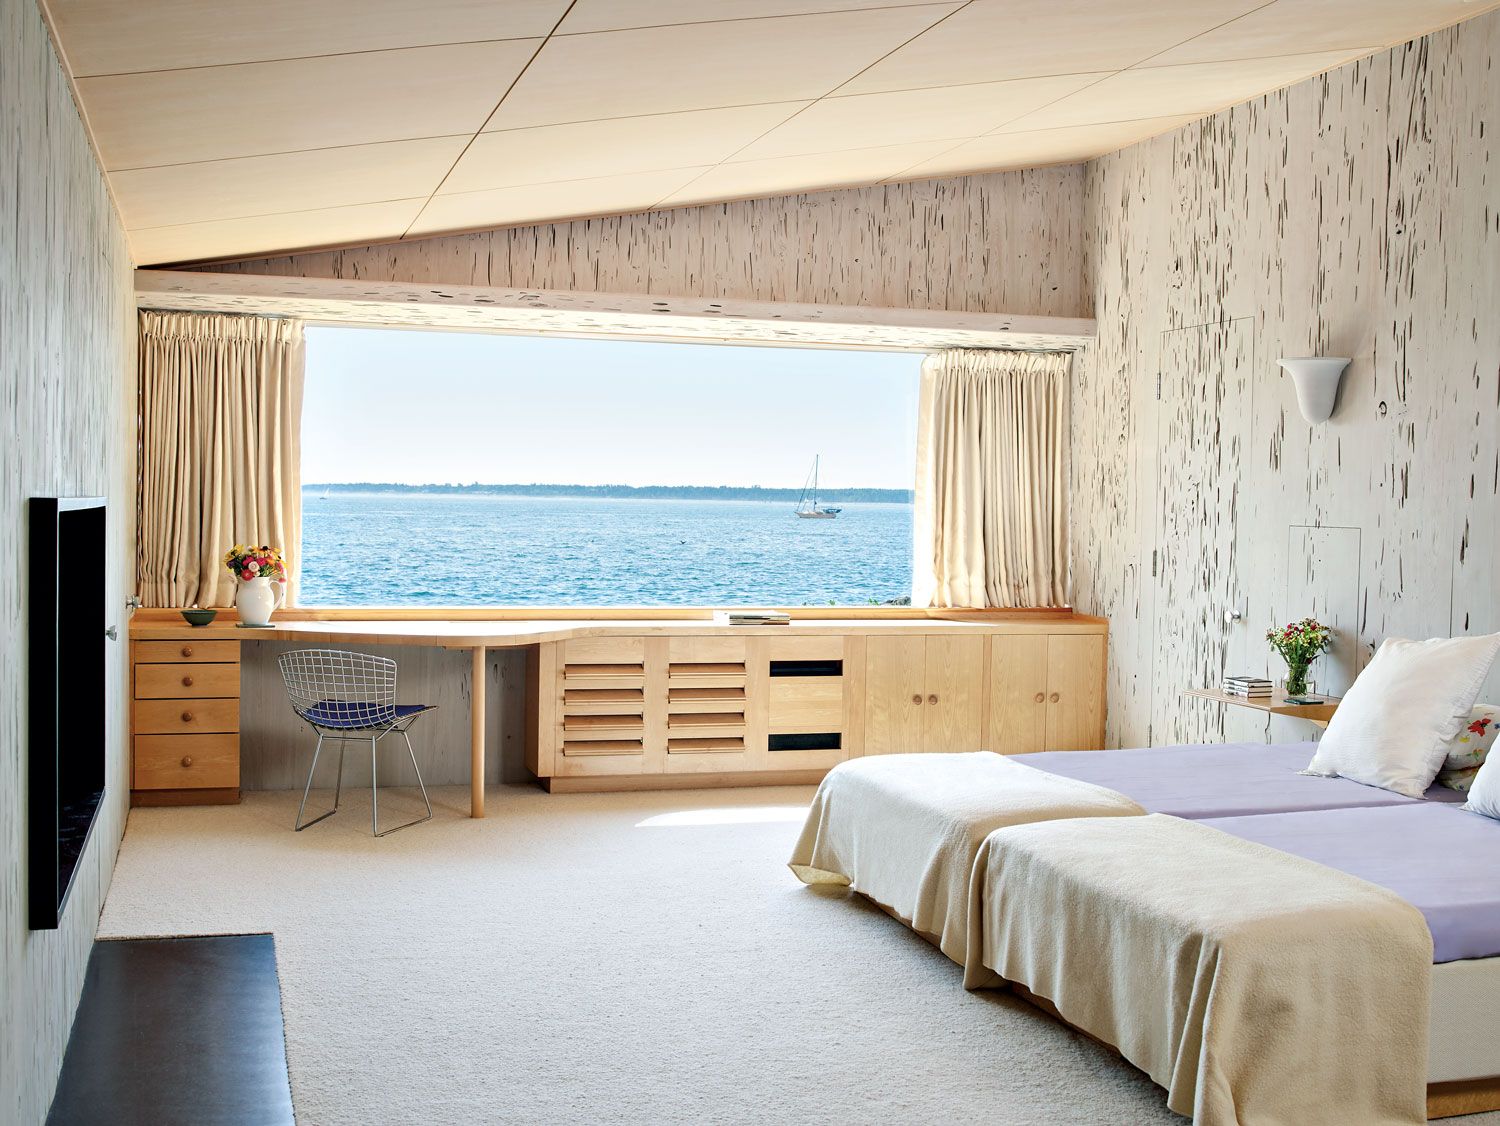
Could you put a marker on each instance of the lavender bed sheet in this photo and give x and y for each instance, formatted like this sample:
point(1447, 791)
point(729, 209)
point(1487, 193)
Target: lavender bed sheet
point(1440, 859)
point(1222, 779)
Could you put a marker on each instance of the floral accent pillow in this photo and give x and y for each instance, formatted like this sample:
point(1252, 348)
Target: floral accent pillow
point(1468, 749)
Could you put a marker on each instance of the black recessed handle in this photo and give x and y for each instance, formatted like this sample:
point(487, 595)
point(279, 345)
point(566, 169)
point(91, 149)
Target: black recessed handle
point(807, 668)
point(813, 741)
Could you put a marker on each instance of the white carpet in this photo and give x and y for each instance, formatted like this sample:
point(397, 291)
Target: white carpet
point(641, 958)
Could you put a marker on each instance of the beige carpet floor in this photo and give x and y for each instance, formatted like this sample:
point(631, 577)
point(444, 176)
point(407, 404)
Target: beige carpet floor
point(640, 958)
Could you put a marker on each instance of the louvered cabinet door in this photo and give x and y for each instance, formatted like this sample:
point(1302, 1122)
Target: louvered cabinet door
point(706, 723)
point(601, 725)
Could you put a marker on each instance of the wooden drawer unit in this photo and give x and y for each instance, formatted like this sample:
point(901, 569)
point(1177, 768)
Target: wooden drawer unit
point(186, 681)
point(170, 652)
point(807, 702)
point(186, 762)
point(185, 722)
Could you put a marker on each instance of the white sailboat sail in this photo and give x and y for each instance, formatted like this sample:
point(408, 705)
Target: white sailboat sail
point(808, 507)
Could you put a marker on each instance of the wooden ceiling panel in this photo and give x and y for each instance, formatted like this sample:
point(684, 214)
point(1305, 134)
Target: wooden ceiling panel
point(909, 116)
point(999, 152)
point(330, 226)
point(177, 116)
point(234, 128)
point(992, 40)
point(531, 203)
point(618, 15)
point(1298, 26)
point(704, 65)
point(589, 149)
point(787, 175)
point(1195, 88)
point(177, 194)
point(125, 36)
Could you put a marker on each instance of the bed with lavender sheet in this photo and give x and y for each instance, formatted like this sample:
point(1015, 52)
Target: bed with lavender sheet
point(1439, 858)
point(1221, 779)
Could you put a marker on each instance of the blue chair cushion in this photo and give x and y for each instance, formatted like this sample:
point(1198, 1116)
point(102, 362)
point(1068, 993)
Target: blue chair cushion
point(346, 715)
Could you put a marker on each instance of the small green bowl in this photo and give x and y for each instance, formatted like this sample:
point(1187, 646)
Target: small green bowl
point(199, 617)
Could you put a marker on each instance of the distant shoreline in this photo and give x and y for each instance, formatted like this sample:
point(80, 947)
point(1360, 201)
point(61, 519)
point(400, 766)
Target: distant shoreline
point(622, 492)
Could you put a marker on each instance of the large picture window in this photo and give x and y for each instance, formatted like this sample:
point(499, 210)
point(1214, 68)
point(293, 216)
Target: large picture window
point(466, 469)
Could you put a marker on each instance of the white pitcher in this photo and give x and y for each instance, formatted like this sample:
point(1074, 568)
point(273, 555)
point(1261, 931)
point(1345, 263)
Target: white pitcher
point(257, 599)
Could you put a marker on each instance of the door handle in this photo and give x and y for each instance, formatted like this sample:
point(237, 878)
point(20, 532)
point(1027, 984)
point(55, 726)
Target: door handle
point(1055, 697)
point(932, 699)
point(917, 699)
point(1041, 697)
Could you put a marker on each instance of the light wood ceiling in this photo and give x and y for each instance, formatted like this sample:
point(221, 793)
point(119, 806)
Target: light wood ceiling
point(236, 128)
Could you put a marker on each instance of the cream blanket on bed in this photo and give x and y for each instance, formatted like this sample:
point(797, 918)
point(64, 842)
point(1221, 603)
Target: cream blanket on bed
point(903, 829)
point(1255, 986)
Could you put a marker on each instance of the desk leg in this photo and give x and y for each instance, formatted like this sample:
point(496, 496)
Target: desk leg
point(476, 737)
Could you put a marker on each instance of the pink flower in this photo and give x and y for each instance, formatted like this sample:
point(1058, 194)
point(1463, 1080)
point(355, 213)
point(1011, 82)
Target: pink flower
point(248, 575)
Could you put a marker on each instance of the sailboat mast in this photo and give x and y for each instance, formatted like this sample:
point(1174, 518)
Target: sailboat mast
point(816, 458)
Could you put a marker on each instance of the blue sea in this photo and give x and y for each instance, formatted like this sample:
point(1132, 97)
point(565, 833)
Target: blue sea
point(404, 549)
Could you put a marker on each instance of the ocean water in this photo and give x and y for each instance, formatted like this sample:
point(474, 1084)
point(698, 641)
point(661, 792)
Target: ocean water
point(391, 549)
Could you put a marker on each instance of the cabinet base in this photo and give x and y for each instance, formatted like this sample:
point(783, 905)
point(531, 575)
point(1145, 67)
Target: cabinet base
point(226, 796)
point(607, 783)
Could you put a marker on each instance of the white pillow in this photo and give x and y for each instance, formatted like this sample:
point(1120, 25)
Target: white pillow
point(1484, 794)
point(1393, 728)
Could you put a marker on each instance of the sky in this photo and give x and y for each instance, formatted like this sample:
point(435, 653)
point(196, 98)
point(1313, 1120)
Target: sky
point(414, 407)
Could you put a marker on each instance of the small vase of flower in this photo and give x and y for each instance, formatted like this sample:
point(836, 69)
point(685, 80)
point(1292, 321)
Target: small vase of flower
point(261, 574)
point(1300, 644)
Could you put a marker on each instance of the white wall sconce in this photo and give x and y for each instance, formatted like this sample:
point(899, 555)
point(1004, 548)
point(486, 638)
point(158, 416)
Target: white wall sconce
point(1317, 382)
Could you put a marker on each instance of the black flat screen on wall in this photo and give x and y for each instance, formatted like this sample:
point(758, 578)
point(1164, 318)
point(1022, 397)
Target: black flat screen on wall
point(66, 675)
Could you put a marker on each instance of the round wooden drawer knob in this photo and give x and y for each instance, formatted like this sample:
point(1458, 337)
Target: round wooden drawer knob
point(187, 682)
point(187, 760)
point(932, 699)
point(187, 717)
point(916, 699)
point(187, 650)
point(1041, 697)
point(1055, 697)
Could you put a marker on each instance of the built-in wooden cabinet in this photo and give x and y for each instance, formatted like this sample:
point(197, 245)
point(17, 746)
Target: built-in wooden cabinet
point(1046, 693)
point(924, 693)
point(786, 703)
point(185, 724)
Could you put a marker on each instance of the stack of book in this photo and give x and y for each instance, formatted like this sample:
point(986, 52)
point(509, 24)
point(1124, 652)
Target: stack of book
point(752, 618)
point(1251, 687)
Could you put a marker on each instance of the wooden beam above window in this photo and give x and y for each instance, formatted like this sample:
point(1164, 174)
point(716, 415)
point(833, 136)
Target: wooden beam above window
point(607, 315)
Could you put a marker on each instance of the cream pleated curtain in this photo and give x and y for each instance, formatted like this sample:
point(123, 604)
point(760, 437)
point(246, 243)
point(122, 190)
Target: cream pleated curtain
point(221, 422)
point(991, 523)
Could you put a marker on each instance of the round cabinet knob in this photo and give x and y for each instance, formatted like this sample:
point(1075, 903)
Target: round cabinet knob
point(187, 717)
point(1055, 697)
point(187, 650)
point(187, 682)
point(1041, 697)
point(932, 699)
point(187, 760)
point(916, 699)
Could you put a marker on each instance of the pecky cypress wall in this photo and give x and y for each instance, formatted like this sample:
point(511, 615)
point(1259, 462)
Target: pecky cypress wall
point(67, 385)
point(1355, 214)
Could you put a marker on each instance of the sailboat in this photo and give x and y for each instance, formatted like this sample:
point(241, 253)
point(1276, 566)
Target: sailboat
point(808, 507)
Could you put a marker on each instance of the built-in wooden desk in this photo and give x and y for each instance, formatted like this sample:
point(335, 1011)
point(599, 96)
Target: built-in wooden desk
point(1010, 680)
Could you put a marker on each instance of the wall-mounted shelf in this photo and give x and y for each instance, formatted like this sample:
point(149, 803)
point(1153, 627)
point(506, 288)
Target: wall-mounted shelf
point(1319, 713)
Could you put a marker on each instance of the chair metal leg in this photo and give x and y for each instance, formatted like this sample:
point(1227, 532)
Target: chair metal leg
point(374, 792)
point(299, 825)
point(374, 827)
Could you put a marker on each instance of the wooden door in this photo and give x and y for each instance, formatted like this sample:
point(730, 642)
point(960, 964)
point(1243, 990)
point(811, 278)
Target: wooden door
point(1018, 693)
point(1075, 692)
point(953, 706)
point(895, 694)
point(1203, 419)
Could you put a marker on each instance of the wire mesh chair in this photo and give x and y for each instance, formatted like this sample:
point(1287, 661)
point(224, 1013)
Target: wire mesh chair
point(350, 696)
